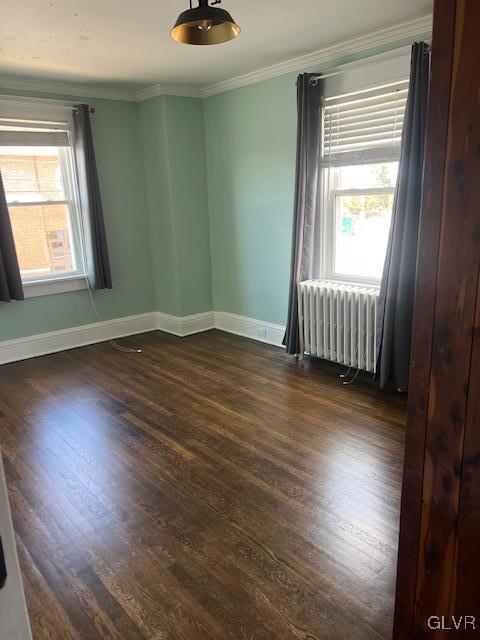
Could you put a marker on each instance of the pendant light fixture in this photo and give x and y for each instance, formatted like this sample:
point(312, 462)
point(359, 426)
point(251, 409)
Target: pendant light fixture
point(205, 24)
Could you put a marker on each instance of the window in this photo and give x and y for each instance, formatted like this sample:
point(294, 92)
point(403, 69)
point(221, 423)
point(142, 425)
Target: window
point(361, 199)
point(361, 137)
point(37, 167)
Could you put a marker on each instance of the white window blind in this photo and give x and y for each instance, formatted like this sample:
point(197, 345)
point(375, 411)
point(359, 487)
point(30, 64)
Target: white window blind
point(33, 134)
point(365, 126)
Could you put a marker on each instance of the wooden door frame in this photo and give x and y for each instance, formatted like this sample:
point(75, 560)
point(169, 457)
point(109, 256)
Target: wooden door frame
point(440, 513)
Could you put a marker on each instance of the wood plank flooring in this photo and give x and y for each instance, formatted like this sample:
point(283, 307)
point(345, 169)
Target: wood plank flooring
point(208, 488)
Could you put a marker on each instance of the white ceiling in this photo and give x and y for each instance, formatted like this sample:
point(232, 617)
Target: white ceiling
point(126, 43)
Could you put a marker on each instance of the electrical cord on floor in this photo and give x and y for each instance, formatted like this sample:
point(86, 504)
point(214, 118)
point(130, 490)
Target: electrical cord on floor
point(113, 343)
point(347, 382)
point(347, 373)
point(79, 240)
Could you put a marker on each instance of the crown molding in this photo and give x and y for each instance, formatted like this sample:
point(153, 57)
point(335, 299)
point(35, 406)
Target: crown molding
point(324, 56)
point(65, 88)
point(155, 90)
point(320, 57)
point(92, 91)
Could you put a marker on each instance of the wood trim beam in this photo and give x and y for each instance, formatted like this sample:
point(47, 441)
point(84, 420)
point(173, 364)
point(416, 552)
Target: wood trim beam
point(440, 513)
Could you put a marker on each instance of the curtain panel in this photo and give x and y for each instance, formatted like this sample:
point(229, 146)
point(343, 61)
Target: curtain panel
point(10, 280)
point(96, 248)
point(397, 290)
point(309, 126)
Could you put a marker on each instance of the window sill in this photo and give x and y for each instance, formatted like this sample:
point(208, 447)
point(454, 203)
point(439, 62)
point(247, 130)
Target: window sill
point(51, 287)
point(357, 282)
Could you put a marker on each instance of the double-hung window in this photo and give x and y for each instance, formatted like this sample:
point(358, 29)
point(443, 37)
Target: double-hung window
point(39, 178)
point(361, 136)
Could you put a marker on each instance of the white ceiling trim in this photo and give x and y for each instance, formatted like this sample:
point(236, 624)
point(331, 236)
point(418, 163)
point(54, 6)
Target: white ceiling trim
point(168, 90)
point(320, 57)
point(323, 56)
point(66, 88)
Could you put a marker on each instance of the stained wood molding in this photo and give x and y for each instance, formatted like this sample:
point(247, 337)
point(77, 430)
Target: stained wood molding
point(439, 555)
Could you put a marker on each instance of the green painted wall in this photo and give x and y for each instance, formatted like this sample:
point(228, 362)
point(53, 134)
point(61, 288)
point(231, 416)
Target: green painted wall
point(250, 134)
point(198, 199)
point(172, 131)
point(186, 137)
point(151, 164)
point(120, 168)
point(154, 139)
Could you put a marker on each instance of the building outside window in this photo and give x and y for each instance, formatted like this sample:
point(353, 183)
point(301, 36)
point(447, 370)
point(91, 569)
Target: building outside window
point(39, 177)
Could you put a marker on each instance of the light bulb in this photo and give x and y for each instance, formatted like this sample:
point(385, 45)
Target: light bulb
point(205, 25)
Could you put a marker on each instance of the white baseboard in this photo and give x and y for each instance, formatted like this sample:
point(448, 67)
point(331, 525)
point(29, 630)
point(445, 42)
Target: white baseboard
point(250, 328)
point(44, 343)
point(187, 325)
point(224, 321)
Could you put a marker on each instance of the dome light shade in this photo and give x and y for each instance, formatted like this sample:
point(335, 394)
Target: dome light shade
point(204, 25)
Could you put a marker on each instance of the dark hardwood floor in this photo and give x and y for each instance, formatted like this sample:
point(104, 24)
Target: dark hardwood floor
point(209, 487)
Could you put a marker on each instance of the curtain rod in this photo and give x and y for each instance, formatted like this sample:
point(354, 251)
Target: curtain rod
point(323, 76)
point(344, 68)
point(22, 98)
point(48, 101)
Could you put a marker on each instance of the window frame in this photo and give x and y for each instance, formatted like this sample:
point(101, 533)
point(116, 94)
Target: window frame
point(330, 231)
point(38, 113)
point(326, 201)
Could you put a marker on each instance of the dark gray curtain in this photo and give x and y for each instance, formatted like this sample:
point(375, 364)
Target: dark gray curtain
point(395, 311)
point(309, 126)
point(98, 264)
point(10, 280)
